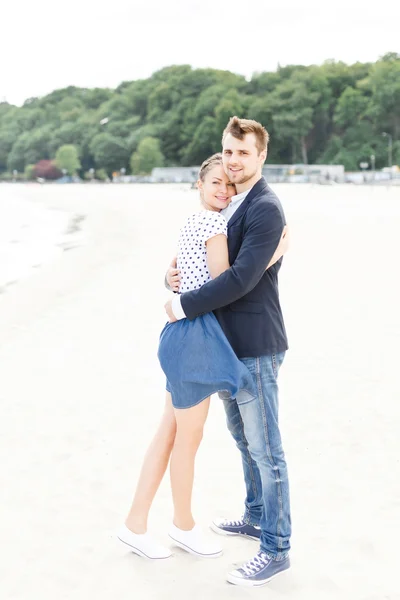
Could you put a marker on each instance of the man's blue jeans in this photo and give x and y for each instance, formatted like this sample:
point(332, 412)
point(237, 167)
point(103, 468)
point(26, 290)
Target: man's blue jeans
point(254, 427)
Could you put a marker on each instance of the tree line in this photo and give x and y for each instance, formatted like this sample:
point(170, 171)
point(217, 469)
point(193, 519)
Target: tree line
point(333, 113)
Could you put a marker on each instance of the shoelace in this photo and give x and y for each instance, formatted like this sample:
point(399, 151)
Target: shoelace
point(233, 523)
point(255, 564)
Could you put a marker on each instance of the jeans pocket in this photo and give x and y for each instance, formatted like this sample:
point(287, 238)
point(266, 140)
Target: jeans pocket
point(244, 396)
point(251, 364)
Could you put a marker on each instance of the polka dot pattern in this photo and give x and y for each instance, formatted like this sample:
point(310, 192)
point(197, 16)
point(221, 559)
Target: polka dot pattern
point(192, 251)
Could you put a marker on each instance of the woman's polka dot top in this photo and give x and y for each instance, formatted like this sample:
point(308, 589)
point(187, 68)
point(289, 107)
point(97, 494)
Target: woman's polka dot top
point(192, 252)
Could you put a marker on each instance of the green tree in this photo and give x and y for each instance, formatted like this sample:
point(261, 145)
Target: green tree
point(29, 172)
point(67, 158)
point(170, 133)
point(147, 157)
point(80, 134)
point(350, 108)
point(347, 158)
point(101, 174)
point(109, 152)
point(160, 101)
point(206, 141)
point(123, 128)
point(207, 101)
point(29, 148)
point(96, 97)
point(140, 133)
point(194, 112)
point(335, 145)
point(330, 112)
point(263, 83)
point(292, 114)
point(136, 94)
point(384, 83)
point(7, 139)
point(231, 104)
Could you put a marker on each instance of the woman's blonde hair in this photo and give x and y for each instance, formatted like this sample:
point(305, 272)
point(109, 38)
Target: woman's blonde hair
point(208, 164)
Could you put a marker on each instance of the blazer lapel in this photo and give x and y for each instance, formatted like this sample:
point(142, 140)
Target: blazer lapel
point(258, 187)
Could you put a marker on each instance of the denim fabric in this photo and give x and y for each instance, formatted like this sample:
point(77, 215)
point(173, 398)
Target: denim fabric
point(198, 361)
point(255, 429)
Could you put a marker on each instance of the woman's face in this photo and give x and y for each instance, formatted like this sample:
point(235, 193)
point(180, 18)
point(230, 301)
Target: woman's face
point(216, 190)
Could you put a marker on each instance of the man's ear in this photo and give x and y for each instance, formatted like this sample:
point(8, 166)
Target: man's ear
point(263, 156)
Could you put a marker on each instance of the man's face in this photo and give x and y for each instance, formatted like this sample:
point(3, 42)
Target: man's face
point(241, 160)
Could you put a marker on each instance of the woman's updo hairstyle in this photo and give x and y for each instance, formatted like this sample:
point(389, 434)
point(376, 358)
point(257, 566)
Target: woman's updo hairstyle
point(208, 164)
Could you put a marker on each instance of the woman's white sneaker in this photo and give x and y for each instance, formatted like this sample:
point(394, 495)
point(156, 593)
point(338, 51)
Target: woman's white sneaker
point(143, 544)
point(195, 542)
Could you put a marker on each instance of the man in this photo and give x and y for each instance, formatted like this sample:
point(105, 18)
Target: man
point(245, 301)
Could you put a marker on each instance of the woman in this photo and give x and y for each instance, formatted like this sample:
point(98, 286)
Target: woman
point(198, 361)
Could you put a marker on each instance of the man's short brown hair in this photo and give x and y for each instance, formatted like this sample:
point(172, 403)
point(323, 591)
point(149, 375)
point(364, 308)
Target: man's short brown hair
point(240, 127)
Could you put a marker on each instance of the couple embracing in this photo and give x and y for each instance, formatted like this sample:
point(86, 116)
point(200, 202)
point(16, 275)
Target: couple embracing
point(225, 335)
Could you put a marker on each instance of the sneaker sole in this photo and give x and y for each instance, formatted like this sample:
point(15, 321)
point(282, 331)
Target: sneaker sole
point(191, 551)
point(141, 553)
point(220, 531)
point(248, 583)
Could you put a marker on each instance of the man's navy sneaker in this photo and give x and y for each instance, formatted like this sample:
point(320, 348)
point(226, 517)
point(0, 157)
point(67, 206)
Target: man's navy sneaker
point(258, 571)
point(226, 527)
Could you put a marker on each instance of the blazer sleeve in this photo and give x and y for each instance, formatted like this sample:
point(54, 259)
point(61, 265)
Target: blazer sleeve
point(263, 230)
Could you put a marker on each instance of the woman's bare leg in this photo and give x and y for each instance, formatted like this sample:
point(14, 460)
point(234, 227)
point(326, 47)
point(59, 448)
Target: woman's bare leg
point(153, 469)
point(189, 432)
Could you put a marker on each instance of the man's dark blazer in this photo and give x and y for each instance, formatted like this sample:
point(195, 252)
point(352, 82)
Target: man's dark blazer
point(245, 298)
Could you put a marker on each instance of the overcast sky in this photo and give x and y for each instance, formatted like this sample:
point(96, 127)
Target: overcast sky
point(45, 45)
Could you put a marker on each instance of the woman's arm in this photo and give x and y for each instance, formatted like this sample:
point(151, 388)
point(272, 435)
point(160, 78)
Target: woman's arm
point(217, 255)
point(282, 248)
point(264, 230)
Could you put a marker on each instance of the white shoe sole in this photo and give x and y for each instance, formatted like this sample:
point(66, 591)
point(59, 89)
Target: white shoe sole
point(194, 552)
point(248, 583)
point(220, 531)
point(141, 553)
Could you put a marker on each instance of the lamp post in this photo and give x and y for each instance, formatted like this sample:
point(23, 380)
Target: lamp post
point(372, 157)
point(390, 147)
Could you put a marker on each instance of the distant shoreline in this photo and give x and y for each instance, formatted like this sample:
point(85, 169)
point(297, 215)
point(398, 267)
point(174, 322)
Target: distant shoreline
point(33, 235)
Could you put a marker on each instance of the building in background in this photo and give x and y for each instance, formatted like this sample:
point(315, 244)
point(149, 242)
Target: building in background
point(272, 173)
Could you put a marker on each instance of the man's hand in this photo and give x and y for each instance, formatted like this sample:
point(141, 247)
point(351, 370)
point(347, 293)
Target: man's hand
point(173, 276)
point(168, 310)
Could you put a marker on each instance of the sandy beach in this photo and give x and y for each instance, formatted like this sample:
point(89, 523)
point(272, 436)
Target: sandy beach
point(81, 392)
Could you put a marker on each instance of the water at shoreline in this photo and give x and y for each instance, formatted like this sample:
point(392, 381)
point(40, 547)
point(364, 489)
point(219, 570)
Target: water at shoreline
point(32, 235)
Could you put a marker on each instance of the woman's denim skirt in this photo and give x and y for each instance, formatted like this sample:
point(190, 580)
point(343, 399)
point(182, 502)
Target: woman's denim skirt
point(198, 361)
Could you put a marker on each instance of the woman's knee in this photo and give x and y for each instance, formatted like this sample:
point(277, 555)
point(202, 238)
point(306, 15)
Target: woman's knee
point(167, 427)
point(189, 436)
point(190, 423)
point(170, 429)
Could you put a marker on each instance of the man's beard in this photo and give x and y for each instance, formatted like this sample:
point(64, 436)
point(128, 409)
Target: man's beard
point(246, 178)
